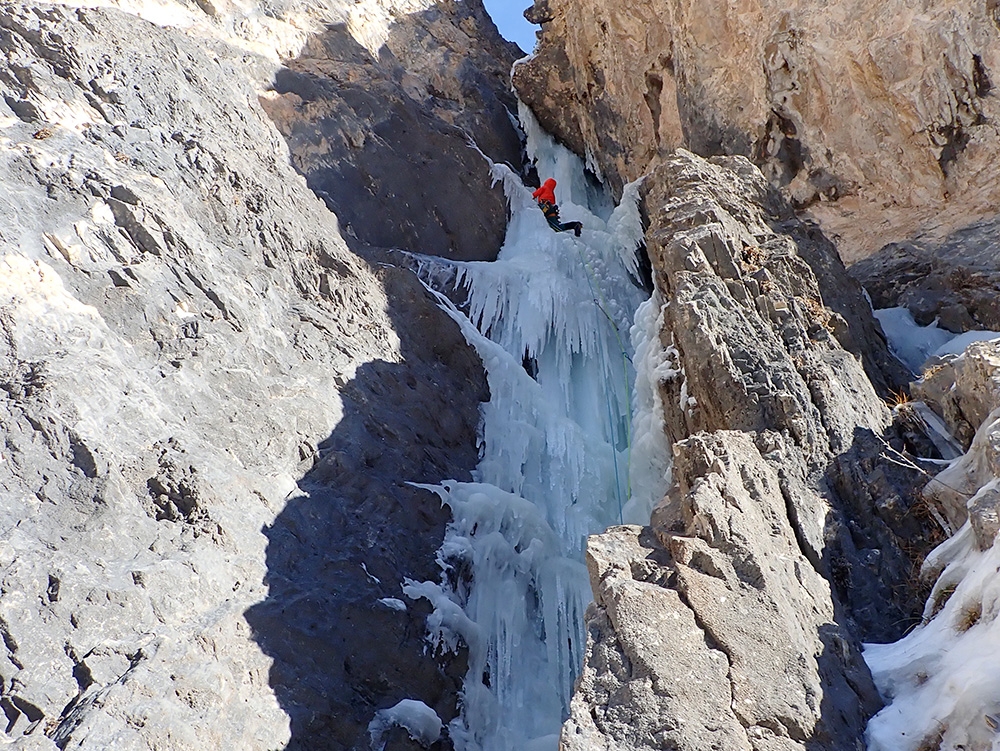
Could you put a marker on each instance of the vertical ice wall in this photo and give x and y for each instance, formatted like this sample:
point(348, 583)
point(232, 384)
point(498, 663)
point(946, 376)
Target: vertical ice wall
point(556, 451)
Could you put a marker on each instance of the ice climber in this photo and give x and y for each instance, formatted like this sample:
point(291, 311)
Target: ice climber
point(546, 197)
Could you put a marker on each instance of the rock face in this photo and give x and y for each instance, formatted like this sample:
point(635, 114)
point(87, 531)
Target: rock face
point(955, 281)
point(773, 553)
point(210, 407)
point(389, 139)
point(878, 118)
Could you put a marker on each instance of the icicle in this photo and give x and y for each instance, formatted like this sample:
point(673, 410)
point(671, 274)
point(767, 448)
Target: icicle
point(650, 465)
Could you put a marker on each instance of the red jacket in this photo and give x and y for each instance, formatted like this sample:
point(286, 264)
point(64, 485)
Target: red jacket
point(547, 192)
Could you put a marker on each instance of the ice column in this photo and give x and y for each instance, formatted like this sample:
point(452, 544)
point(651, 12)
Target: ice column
point(551, 321)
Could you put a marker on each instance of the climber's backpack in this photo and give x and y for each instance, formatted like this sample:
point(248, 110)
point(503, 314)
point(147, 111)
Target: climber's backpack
point(550, 210)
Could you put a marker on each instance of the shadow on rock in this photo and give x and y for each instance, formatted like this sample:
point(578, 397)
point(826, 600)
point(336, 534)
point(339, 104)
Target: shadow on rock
point(385, 139)
point(846, 682)
point(882, 533)
point(389, 141)
point(877, 534)
point(356, 529)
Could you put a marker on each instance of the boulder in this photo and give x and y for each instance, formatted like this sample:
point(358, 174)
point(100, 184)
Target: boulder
point(953, 281)
point(963, 389)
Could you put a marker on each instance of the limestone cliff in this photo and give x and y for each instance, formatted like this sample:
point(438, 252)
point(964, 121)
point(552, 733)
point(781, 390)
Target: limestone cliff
point(209, 406)
point(734, 620)
point(215, 391)
point(880, 119)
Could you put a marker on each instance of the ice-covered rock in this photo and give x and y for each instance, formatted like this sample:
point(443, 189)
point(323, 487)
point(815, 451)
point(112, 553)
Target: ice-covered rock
point(550, 321)
point(420, 722)
point(939, 682)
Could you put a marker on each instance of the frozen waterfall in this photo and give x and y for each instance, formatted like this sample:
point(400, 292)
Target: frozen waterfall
point(559, 449)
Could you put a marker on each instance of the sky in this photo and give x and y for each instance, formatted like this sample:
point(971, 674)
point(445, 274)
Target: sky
point(509, 18)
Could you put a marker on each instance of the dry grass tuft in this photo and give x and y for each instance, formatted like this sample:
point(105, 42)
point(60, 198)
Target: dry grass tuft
point(969, 616)
point(897, 399)
point(941, 599)
point(932, 741)
point(932, 371)
point(752, 259)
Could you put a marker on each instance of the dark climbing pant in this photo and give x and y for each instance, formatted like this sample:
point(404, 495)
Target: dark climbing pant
point(558, 226)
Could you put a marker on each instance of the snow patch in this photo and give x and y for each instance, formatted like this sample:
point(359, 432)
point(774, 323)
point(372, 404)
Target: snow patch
point(371, 577)
point(448, 626)
point(945, 676)
point(649, 467)
point(913, 344)
point(910, 342)
point(957, 345)
point(419, 720)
